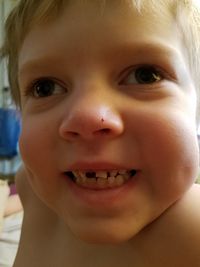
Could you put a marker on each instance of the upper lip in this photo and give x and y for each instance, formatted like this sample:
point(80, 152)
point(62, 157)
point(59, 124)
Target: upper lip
point(97, 166)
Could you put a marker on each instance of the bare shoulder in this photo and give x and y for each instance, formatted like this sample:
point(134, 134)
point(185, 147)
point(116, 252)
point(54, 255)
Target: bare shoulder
point(195, 189)
point(191, 201)
point(32, 205)
point(185, 215)
point(188, 206)
point(35, 211)
point(192, 204)
point(176, 234)
point(24, 189)
point(39, 224)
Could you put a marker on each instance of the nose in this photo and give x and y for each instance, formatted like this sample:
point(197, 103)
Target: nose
point(90, 119)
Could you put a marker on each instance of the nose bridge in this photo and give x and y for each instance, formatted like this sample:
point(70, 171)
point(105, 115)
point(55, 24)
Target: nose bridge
point(91, 98)
point(92, 114)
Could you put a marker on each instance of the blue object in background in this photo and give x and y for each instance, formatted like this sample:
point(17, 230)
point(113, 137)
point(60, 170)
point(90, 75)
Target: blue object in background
point(10, 125)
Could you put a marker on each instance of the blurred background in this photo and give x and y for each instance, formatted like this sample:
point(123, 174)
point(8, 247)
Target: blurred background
point(11, 211)
point(9, 116)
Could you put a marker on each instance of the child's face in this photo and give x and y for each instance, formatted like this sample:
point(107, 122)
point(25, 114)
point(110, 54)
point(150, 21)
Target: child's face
point(117, 96)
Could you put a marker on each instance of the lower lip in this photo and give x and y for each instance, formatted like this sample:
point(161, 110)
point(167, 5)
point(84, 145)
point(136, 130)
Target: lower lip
point(100, 197)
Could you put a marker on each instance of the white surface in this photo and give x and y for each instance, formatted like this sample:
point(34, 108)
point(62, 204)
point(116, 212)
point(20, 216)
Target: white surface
point(9, 239)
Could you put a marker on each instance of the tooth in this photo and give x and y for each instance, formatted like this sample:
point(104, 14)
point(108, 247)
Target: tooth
point(83, 179)
point(111, 180)
point(113, 173)
point(122, 171)
point(101, 182)
point(102, 179)
point(119, 180)
point(78, 180)
point(126, 176)
point(90, 181)
point(81, 174)
point(76, 174)
point(102, 174)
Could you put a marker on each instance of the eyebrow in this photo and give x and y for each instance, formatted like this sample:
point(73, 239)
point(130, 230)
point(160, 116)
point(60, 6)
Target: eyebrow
point(33, 64)
point(151, 50)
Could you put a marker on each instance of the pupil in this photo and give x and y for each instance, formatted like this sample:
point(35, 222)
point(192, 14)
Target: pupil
point(44, 88)
point(147, 75)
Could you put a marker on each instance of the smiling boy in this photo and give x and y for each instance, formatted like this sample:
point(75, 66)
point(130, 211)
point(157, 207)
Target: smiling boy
point(108, 95)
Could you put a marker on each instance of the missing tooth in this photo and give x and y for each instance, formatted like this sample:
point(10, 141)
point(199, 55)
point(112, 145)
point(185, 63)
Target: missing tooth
point(90, 174)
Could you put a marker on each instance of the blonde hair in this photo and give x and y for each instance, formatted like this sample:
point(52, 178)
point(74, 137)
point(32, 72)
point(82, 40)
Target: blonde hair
point(31, 12)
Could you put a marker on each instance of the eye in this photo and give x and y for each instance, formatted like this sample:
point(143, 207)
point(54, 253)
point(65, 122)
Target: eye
point(46, 87)
point(142, 75)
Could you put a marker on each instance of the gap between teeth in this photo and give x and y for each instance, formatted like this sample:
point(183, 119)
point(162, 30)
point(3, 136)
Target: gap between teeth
point(101, 174)
point(102, 179)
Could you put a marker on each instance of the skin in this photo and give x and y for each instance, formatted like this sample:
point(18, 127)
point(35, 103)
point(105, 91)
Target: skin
point(97, 112)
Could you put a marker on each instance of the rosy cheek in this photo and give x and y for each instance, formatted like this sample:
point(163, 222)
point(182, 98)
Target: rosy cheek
point(29, 143)
point(167, 137)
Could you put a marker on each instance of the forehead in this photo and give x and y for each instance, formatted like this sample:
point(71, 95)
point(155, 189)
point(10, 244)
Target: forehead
point(86, 26)
point(99, 10)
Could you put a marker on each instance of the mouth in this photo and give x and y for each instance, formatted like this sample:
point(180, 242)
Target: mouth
point(100, 179)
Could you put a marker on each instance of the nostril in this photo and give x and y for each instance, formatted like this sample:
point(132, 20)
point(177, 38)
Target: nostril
point(103, 131)
point(72, 134)
point(69, 135)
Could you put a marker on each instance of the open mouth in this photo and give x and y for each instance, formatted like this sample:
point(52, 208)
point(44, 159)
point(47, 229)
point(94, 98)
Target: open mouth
point(100, 179)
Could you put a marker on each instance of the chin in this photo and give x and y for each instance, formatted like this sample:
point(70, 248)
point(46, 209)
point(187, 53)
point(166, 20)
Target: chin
point(98, 236)
point(101, 240)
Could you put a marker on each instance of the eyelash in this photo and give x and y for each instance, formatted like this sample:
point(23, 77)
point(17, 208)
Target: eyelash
point(31, 89)
point(159, 75)
point(133, 72)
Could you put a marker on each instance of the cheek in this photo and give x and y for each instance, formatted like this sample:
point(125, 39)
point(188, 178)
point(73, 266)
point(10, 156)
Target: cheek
point(38, 156)
point(169, 148)
point(34, 144)
point(173, 141)
point(28, 145)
